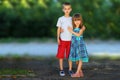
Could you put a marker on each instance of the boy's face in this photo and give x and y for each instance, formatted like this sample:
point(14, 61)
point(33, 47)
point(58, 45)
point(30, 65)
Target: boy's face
point(67, 9)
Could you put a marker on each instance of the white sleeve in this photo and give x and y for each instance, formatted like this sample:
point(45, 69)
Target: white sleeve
point(59, 23)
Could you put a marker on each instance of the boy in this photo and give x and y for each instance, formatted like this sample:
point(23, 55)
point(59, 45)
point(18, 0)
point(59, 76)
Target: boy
point(64, 38)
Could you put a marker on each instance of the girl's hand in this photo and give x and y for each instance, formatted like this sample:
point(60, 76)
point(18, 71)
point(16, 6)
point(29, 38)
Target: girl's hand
point(83, 28)
point(70, 29)
point(61, 30)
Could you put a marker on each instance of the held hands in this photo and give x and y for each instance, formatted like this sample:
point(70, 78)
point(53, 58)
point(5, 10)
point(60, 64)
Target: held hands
point(70, 29)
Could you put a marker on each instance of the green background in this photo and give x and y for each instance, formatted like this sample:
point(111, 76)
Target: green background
point(38, 18)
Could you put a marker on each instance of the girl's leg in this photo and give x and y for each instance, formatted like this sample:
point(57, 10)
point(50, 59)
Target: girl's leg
point(81, 73)
point(77, 62)
point(61, 64)
point(78, 72)
point(79, 68)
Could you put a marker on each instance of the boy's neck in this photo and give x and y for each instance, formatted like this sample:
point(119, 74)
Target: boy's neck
point(67, 15)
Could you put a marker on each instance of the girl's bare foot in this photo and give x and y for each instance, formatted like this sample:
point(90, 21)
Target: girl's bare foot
point(81, 73)
point(75, 75)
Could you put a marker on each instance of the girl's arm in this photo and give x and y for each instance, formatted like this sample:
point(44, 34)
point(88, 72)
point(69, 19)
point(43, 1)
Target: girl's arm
point(77, 34)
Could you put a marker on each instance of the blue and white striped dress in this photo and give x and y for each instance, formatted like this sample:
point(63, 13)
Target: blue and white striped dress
point(78, 49)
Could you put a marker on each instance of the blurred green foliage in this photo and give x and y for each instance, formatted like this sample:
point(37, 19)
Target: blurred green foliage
point(37, 18)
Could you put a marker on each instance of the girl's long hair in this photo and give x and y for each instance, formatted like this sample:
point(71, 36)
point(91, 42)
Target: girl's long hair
point(77, 16)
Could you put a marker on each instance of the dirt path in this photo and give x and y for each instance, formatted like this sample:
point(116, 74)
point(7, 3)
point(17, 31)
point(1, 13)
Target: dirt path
point(47, 69)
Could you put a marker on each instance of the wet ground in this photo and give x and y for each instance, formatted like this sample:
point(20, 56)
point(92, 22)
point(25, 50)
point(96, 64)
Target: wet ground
point(48, 69)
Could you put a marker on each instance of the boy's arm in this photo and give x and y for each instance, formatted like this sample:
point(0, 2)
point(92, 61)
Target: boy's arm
point(58, 35)
point(80, 32)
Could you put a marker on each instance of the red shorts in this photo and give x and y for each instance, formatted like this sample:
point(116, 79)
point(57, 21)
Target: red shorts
point(63, 49)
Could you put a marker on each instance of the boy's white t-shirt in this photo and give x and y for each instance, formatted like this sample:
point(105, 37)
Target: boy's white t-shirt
point(64, 23)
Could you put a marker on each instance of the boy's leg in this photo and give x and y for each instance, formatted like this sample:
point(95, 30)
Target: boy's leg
point(68, 44)
point(60, 53)
point(70, 65)
point(61, 64)
point(60, 56)
point(62, 73)
point(67, 56)
point(70, 72)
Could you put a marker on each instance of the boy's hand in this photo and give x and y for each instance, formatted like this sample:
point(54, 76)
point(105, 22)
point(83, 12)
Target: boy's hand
point(58, 40)
point(70, 29)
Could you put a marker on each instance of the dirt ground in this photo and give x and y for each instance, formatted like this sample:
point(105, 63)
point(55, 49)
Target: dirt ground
point(48, 69)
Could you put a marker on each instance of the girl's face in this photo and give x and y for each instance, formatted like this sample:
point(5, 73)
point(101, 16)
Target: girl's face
point(77, 22)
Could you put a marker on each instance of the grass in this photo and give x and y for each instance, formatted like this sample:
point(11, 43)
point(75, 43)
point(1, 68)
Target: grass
point(24, 40)
point(26, 56)
point(104, 57)
point(13, 72)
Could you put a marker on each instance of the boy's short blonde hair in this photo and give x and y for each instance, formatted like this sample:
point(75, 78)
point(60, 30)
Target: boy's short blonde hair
point(66, 4)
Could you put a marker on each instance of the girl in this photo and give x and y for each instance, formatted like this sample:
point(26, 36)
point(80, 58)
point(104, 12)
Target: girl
point(78, 52)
